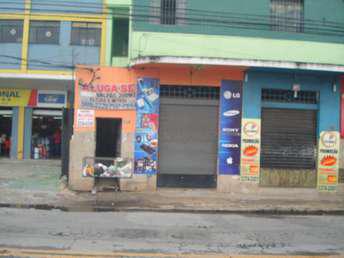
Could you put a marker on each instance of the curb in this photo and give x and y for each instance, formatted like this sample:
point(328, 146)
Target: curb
point(70, 254)
point(110, 208)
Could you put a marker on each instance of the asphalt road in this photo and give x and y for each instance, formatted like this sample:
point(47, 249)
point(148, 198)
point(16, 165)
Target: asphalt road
point(147, 232)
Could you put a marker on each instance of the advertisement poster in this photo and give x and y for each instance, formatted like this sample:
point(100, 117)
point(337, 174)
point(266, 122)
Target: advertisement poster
point(95, 94)
point(342, 112)
point(147, 125)
point(230, 128)
point(85, 118)
point(328, 161)
point(250, 150)
point(18, 97)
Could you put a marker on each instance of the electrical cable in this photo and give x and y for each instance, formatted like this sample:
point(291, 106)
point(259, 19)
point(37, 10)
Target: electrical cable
point(144, 17)
point(265, 26)
point(312, 30)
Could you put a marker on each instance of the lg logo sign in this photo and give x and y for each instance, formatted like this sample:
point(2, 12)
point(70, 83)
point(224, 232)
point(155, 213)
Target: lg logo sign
point(231, 95)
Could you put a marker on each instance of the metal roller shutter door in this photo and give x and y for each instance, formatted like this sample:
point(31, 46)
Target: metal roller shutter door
point(288, 138)
point(188, 136)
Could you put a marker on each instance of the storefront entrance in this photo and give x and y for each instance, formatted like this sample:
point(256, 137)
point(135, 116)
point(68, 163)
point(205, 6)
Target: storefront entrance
point(108, 137)
point(188, 136)
point(289, 147)
point(46, 134)
point(5, 131)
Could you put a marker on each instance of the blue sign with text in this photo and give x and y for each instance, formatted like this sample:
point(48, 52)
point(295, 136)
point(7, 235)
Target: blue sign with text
point(230, 127)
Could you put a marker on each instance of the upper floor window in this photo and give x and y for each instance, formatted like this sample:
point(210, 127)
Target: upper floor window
point(287, 15)
point(86, 34)
point(44, 32)
point(168, 12)
point(11, 31)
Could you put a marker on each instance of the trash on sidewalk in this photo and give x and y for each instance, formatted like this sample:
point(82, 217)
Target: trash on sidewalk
point(107, 167)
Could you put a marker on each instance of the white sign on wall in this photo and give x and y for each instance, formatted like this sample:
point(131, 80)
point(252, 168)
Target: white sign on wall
point(85, 118)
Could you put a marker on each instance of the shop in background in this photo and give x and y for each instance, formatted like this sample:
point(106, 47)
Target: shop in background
point(46, 134)
point(5, 131)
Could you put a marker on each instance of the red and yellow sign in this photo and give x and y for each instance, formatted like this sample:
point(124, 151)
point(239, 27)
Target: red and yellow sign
point(18, 97)
point(250, 150)
point(328, 161)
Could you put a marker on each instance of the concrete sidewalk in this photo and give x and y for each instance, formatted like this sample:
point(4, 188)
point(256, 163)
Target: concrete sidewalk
point(36, 184)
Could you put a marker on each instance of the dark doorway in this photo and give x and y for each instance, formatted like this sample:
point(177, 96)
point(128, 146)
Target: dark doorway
point(46, 134)
point(5, 131)
point(108, 141)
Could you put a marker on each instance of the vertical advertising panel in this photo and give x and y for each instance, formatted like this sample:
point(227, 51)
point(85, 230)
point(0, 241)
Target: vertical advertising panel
point(328, 161)
point(342, 108)
point(147, 125)
point(230, 128)
point(250, 150)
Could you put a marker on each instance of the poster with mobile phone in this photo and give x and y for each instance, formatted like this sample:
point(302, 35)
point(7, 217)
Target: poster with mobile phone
point(147, 125)
point(230, 128)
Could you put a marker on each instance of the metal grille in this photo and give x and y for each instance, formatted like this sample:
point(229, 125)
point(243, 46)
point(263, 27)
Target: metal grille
point(288, 138)
point(287, 15)
point(45, 32)
point(85, 34)
point(11, 31)
point(168, 12)
point(288, 96)
point(193, 92)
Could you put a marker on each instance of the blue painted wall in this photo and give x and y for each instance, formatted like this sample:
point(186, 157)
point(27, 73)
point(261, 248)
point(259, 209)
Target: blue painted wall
point(13, 50)
point(16, 6)
point(328, 109)
point(63, 55)
point(14, 134)
point(75, 6)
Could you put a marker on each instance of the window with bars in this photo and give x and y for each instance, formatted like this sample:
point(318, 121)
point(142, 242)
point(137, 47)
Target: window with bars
point(191, 92)
point(44, 32)
point(11, 31)
point(287, 15)
point(288, 96)
point(168, 12)
point(85, 34)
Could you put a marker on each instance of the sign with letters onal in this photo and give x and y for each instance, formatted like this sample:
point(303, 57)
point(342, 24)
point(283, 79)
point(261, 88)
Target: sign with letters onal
point(18, 97)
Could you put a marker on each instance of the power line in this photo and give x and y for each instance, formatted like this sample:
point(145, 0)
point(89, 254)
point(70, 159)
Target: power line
point(37, 62)
point(255, 20)
point(198, 11)
point(210, 22)
point(143, 16)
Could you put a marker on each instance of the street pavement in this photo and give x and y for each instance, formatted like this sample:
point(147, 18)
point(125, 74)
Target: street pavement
point(37, 183)
point(170, 233)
